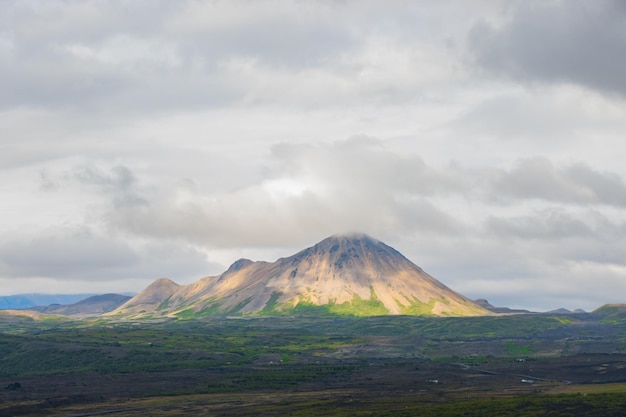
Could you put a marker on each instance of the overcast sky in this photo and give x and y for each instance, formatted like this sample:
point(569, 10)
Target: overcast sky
point(482, 139)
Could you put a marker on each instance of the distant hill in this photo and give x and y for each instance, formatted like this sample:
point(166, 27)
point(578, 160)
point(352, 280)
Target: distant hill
point(26, 314)
point(566, 311)
point(612, 311)
point(19, 301)
point(500, 310)
point(344, 274)
point(94, 305)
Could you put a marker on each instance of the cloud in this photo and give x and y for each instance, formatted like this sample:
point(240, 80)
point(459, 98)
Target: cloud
point(164, 57)
point(557, 42)
point(547, 224)
point(120, 183)
point(118, 186)
point(585, 285)
point(309, 191)
point(484, 137)
point(558, 235)
point(82, 254)
point(282, 34)
point(538, 178)
point(469, 227)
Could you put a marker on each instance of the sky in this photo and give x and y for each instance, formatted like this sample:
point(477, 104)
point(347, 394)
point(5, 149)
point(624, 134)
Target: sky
point(484, 140)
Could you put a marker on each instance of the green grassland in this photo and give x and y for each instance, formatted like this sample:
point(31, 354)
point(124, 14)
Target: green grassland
point(311, 364)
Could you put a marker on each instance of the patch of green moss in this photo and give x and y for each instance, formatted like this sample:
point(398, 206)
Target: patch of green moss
point(272, 306)
point(210, 310)
point(236, 310)
point(419, 308)
point(357, 307)
point(186, 314)
point(164, 305)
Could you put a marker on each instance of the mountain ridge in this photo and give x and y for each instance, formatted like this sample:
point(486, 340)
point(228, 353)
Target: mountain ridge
point(91, 306)
point(28, 300)
point(351, 274)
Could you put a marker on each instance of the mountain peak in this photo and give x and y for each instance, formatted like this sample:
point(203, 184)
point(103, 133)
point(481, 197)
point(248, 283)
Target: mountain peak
point(163, 285)
point(353, 237)
point(154, 294)
point(356, 250)
point(238, 265)
point(346, 273)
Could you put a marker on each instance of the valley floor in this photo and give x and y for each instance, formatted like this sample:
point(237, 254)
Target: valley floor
point(517, 366)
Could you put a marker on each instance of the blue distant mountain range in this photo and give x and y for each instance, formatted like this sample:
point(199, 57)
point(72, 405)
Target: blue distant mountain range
point(9, 302)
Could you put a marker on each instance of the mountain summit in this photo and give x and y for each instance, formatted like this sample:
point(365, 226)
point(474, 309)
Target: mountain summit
point(343, 274)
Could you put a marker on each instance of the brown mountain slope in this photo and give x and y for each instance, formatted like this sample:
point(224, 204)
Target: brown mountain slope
point(151, 297)
point(351, 274)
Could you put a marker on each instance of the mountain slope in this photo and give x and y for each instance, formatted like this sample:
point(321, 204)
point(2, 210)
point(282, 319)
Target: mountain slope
point(611, 312)
point(151, 297)
point(345, 274)
point(90, 306)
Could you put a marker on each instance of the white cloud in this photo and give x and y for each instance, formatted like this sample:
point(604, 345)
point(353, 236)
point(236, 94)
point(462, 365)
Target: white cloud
point(310, 191)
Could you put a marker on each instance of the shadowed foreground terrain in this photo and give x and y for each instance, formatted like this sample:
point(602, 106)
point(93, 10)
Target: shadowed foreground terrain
point(526, 365)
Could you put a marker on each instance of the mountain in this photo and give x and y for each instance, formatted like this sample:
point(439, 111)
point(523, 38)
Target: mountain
point(566, 311)
point(611, 311)
point(155, 296)
point(343, 274)
point(32, 300)
point(95, 305)
point(500, 310)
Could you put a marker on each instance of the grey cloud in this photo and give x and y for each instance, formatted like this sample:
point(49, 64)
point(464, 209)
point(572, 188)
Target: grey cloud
point(547, 224)
point(281, 34)
point(120, 177)
point(606, 187)
point(542, 272)
point(75, 253)
point(559, 41)
point(538, 295)
point(120, 183)
point(560, 235)
point(511, 117)
point(81, 254)
point(143, 55)
point(34, 137)
point(538, 178)
point(117, 58)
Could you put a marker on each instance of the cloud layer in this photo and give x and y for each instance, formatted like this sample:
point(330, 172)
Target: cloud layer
point(151, 139)
point(557, 41)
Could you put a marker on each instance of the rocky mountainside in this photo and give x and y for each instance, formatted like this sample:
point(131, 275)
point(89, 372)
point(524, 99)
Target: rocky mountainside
point(343, 274)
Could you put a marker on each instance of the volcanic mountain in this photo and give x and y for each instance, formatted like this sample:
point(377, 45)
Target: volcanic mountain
point(343, 274)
